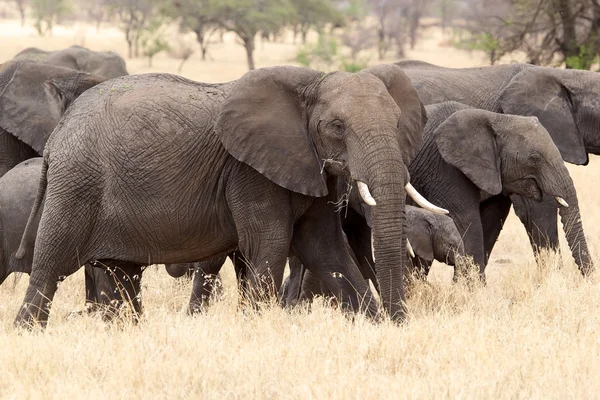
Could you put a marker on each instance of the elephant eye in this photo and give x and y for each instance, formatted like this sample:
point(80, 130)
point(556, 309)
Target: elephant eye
point(535, 158)
point(337, 127)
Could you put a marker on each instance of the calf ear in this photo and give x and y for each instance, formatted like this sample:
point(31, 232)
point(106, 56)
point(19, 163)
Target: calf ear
point(263, 124)
point(419, 233)
point(467, 141)
point(545, 94)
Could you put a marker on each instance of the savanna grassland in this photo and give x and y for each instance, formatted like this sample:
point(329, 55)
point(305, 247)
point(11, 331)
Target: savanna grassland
point(532, 332)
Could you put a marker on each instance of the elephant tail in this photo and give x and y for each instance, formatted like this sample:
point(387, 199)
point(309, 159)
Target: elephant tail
point(36, 208)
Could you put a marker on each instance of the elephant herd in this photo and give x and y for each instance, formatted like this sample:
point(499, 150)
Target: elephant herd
point(354, 178)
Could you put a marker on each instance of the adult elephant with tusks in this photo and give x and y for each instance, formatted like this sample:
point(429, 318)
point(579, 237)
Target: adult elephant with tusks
point(472, 160)
point(249, 165)
point(566, 104)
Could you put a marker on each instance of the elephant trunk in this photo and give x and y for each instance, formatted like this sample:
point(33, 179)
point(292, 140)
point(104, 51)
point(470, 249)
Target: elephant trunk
point(387, 181)
point(573, 228)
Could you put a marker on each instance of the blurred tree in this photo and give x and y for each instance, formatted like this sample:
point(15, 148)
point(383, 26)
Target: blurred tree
point(314, 14)
point(45, 13)
point(247, 17)
point(181, 50)
point(152, 39)
point(134, 17)
point(547, 31)
point(21, 5)
point(198, 16)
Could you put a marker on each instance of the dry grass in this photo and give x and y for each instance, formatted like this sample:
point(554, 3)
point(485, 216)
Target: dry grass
point(531, 332)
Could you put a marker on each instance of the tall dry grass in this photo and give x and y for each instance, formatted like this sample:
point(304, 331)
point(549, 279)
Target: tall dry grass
point(532, 332)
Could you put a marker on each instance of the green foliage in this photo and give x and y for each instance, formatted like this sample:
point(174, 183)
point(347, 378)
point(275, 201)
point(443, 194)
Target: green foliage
point(485, 42)
point(356, 10)
point(326, 54)
point(45, 13)
point(321, 55)
point(583, 60)
point(353, 66)
point(153, 39)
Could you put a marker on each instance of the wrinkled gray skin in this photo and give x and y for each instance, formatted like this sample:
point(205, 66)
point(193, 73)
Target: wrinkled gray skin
point(131, 161)
point(18, 190)
point(566, 103)
point(102, 63)
point(33, 98)
point(471, 162)
point(432, 236)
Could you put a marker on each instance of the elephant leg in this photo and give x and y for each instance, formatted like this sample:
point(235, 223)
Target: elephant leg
point(240, 266)
point(494, 212)
point(98, 286)
point(540, 220)
point(321, 245)
point(123, 281)
point(291, 288)
point(471, 231)
point(262, 215)
point(206, 282)
point(420, 267)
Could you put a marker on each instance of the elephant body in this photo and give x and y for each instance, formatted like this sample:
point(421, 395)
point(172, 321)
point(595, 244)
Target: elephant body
point(18, 191)
point(159, 169)
point(471, 162)
point(564, 101)
point(102, 63)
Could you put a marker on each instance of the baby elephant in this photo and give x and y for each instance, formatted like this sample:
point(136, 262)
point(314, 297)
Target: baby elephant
point(431, 236)
point(18, 189)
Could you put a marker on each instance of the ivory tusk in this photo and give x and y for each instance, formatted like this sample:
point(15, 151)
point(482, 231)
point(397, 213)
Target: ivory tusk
point(363, 189)
point(562, 201)
point(372, 247)
point(410, 250)
point(422, 201)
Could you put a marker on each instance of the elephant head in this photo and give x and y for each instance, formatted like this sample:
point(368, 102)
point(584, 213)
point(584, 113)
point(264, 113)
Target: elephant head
point(433, 236)
point(107, 64)
point(566, 103)
point(511, 154)
point(293, 125)
point(34, 96)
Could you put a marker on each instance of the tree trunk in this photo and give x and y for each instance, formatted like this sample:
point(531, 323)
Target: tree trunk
point(21, 12)
point(200, 38)
point(249, 46)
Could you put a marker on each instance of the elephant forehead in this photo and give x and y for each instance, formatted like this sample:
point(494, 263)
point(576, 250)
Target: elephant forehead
point(360, 96)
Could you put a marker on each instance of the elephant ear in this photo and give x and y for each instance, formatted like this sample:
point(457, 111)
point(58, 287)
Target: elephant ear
point(419, 233)
point(35, 98)
point(467, 141)
point(413, 118)
point(542, 93)
point(263, 123)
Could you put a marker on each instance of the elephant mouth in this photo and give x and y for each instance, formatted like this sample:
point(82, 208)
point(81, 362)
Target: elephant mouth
point(527, 186)
point(335, 166)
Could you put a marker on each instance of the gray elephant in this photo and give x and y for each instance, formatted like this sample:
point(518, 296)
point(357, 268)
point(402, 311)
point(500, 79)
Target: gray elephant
point(159, 169)
point(472, 160)
point(431, 237)
point(566, 104)
point(33, 98)
point(18, 190)
point(102, 63)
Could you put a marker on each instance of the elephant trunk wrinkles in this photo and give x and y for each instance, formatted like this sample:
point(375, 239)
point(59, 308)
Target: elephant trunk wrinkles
point(387, 182)
point(573, 228)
